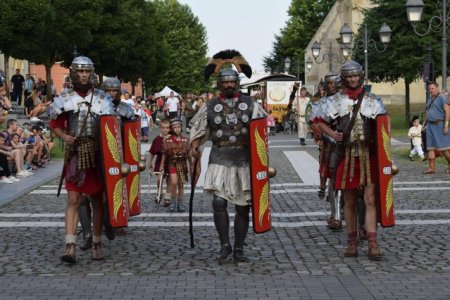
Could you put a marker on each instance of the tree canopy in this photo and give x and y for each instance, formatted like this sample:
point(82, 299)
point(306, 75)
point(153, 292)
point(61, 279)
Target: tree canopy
point(405, 53)
point(160, 41)
point(185, 39)
point(305, 17)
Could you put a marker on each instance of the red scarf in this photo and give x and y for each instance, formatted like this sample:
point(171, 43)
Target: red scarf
point(353, 94)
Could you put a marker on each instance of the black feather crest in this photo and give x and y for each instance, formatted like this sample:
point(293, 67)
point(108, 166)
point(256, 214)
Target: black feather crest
point(227, 56)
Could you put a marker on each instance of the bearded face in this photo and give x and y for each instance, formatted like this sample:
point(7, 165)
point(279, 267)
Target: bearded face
point(228, 88)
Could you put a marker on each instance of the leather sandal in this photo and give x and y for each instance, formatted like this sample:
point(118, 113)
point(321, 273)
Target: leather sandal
point(69, 256)
point(375, 253)
point(96, 251)
point(351, 250)
point(429, 171)
point(333, 224)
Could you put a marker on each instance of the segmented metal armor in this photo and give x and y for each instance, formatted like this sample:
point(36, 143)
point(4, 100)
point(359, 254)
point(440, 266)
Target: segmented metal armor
point(228, 121)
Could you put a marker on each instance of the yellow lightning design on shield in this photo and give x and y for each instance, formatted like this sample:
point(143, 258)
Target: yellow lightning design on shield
point(114, 150)
point(390, 189)
point(261, 149)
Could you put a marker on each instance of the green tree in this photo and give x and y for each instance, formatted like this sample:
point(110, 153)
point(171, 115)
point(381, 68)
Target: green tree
point(129, 42)
point(43, 31)
point(305, 17)
point(404, 56)
point(185, 39)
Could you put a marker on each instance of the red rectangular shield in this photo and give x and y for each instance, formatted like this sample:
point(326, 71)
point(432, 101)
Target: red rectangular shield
point(131, 156)
point(262, 219)
point(385, 187)
point(111, 145)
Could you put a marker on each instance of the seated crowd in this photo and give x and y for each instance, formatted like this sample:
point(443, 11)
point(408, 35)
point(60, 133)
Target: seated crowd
point(27, 148)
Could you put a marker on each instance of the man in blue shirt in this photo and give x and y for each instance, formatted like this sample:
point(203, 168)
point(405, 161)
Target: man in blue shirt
point(437, 118)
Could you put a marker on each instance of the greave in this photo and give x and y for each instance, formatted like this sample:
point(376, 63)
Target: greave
point(221, 219)
point(241, 221)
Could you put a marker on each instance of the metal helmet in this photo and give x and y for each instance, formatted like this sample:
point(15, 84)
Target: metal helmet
point(82, 63)
point(352, 68)
point(111, 83)
point(228, 74)
point(176, 121)
point(332, 76)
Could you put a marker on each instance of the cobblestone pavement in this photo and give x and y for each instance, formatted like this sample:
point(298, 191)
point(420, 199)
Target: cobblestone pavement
point(299, 259)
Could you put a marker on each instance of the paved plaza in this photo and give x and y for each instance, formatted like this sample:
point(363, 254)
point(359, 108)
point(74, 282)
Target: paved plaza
point(299, 259)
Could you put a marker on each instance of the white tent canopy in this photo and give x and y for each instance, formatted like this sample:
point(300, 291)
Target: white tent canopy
point(166, 92)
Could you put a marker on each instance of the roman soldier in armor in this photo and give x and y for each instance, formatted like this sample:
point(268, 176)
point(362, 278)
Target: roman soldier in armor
point(332, 85)
point(75, 120)
point(112, 87)
point(356, 159)
point(225, 121)
point(176, 155)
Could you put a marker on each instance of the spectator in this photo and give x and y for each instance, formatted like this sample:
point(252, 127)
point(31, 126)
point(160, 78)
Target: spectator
point(29, 86)
point(46, 146)
point(42, 86)
point(144, 115)
point(5, 173)
point(5, 104)
point(299, 106)
point(188, 110)
point(15, 154)
point(31, 102)
point(173, 106)
point(437, 119)
point(415, 134)
point(30, 151)
point(18, 82)
point(128, 99)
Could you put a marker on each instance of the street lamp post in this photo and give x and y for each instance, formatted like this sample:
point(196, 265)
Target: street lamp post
point(414, 10)
point(328, 57)
point(309, 64)
point(75, 53)
point(287, 65)
point(367, 44)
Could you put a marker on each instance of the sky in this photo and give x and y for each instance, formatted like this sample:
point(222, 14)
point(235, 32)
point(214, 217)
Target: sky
point(248, 26)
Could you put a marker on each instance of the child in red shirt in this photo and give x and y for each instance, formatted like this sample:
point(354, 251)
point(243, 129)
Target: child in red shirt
point(156, 151)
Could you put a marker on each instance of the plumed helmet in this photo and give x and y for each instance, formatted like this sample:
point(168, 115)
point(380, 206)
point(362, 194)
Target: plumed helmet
point(111, 83)
point(351, 68)
point(82, 63)
point(222, 58)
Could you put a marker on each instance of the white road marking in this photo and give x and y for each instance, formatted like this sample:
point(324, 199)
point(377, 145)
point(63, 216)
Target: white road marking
point(272, 191)
point(306, 166)
point(210, 215)
point(273, 185)
point(211, 224)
